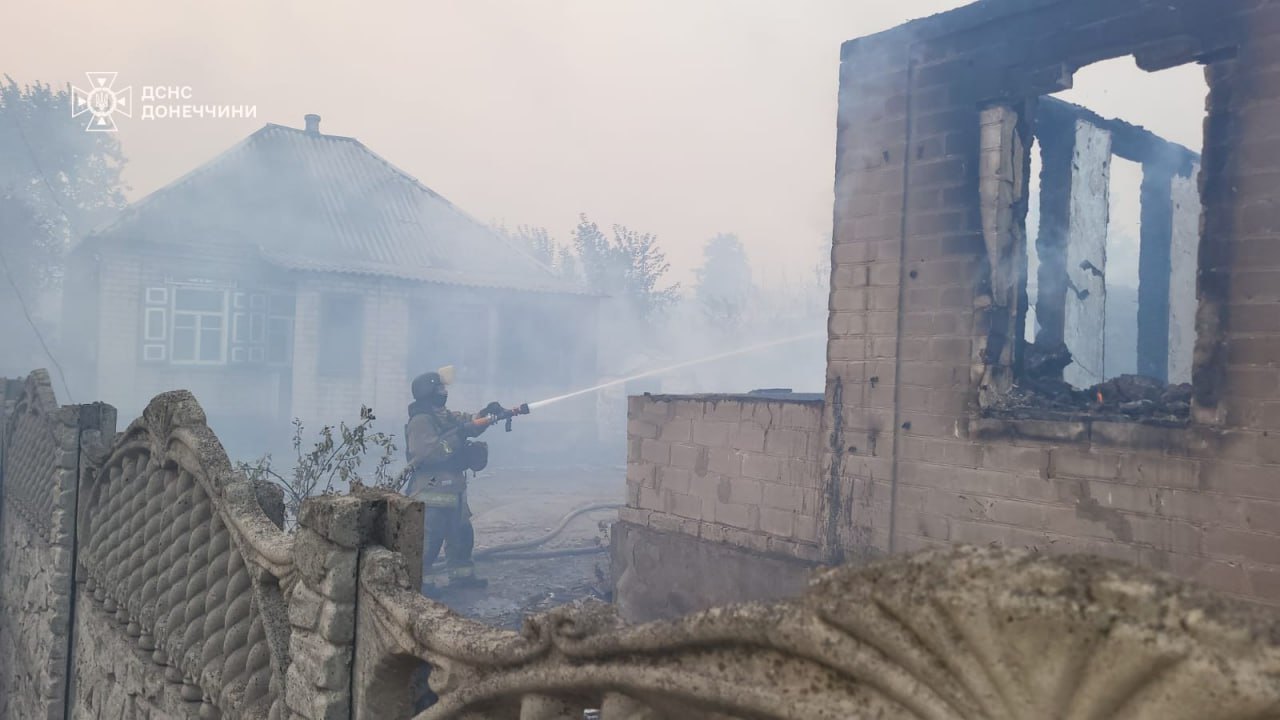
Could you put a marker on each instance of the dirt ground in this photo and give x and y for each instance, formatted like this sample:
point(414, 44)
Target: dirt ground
point(518, 504)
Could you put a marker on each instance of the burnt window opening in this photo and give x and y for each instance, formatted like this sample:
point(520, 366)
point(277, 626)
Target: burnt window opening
point(1111, 243)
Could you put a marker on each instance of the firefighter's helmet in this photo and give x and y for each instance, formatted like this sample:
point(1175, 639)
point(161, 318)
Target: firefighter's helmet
point(433, 384)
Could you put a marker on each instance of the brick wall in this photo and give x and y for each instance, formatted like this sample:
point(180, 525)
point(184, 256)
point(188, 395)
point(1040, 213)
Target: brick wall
point(912, 310)
point(738, 469)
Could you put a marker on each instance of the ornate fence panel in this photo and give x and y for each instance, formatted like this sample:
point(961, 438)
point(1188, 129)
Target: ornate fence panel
point(40, 458)
point(957, 634)
point(32, 429)
point(176, 548)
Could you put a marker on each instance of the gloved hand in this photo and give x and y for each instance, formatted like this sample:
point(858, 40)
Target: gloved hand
point(493, 409)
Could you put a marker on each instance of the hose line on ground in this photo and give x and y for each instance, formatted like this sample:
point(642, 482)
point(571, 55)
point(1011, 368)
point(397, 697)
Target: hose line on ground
point(507, 550)
point(559, 552)
point(535, 542)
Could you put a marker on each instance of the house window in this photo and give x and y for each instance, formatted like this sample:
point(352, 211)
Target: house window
point(261, 329)
point(341, 335)
point(199, 326)
point(192, 325)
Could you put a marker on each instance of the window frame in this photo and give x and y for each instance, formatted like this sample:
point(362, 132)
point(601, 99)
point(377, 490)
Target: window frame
point(1009, 135)
point(244, 338)
point(198, 330)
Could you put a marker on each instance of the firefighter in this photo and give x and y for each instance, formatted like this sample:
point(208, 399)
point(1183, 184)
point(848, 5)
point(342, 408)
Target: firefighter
point(440, 451)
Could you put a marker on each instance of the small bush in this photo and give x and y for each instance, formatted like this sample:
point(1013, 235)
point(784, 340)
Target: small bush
point(334, 461)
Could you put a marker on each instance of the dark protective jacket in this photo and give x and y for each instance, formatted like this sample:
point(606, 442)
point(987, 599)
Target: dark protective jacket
point(435, 440)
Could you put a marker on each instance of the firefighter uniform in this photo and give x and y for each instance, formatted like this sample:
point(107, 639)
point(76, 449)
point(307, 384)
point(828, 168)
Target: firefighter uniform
point(440, 453)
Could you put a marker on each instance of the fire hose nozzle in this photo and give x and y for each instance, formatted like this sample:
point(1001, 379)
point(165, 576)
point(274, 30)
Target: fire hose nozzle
point(523, 409)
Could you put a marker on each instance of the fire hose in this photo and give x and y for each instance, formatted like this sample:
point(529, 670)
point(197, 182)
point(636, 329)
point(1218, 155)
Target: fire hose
point(505, 551)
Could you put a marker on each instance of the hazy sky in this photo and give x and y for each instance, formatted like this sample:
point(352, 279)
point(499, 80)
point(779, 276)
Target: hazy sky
point(683, 118)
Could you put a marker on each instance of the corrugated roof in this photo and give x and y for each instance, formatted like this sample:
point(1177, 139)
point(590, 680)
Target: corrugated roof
point(327, 203)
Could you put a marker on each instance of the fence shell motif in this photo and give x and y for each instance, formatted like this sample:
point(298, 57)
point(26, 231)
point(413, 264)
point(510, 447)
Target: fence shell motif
point(179, 549)
point(31, 461)
point(961, 633)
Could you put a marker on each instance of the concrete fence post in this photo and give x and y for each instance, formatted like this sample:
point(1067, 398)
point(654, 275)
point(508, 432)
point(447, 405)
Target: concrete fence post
point(322, 606)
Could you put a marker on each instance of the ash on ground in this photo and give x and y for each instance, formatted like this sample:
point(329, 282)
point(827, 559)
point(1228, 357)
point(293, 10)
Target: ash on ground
point(515, 505)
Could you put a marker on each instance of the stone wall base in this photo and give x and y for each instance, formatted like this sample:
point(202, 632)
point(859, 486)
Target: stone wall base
point(659, 575)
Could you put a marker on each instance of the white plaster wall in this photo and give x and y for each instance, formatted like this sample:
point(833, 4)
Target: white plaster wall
point(1085, 322)
point(1184, 259)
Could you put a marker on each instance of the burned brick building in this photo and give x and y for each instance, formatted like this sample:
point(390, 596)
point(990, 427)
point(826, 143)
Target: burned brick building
point(948, 417)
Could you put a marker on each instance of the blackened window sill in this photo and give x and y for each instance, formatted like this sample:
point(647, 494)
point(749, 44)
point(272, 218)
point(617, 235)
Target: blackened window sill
point(1103, 429)
point(1085, 416)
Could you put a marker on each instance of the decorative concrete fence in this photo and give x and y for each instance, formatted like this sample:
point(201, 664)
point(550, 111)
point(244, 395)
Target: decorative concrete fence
point(141, 577)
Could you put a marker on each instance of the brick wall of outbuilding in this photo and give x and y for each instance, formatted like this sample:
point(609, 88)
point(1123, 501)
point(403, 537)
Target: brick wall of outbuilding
point(735, 469)
point(918, 464)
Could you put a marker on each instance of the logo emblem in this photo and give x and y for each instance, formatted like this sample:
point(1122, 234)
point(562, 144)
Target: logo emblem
point(101, 101)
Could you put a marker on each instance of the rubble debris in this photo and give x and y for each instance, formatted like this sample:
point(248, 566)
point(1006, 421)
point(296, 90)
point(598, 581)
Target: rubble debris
point(1115, 399)
point(1046, 362)
point(1056, 399)
point(1041, 392)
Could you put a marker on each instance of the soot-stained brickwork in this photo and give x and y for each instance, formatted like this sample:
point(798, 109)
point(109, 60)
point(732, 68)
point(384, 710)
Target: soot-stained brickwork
point(944, 421)
point(926, 300)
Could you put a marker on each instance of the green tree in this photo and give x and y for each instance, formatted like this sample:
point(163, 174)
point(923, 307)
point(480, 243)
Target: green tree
point(29, 260)
point(724, 281)
point(539, 243)
point(536, 240)
point(28, 244)
point(69, 177)
point(57, 182)
point(628, 265)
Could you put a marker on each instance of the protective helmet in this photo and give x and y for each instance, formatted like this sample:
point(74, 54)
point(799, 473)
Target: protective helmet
point(432, 385)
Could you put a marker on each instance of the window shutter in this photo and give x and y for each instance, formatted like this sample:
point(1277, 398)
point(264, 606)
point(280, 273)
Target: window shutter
point(154, 344)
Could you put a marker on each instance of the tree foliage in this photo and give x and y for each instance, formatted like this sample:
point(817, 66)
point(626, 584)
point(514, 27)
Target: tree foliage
point(57, 182)
point(627, 264)
point(330, 463)
point(30, 258)
point(724, 281)
point(69, 177)
point(544, 248)
point(28, 244)
point(623, 264)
